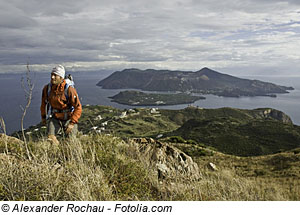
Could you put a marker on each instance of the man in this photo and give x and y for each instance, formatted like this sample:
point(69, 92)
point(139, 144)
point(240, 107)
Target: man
point(63, 105)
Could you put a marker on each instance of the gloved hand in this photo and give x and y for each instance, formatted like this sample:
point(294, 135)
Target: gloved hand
point(44, 122)
point(69, 128)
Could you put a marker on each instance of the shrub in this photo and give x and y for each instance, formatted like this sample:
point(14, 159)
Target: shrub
point(192, 142)
point(176, 139)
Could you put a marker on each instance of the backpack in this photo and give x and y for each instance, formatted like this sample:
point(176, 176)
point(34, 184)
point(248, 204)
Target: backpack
point(49, 109)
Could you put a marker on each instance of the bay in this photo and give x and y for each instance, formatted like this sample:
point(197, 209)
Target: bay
point(12, 97)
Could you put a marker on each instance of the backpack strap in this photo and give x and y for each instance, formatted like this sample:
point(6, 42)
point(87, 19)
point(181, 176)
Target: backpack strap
point(48, 90)
point(69, 83)
point(48, 106)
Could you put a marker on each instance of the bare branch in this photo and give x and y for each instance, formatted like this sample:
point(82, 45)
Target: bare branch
point(28, 89)
point(2, 125)
point(3, 128)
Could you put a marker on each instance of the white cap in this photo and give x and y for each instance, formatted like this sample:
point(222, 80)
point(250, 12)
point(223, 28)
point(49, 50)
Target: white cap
point(59, 70)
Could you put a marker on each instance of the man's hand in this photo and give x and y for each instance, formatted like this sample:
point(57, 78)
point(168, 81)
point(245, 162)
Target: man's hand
point(44, 122)
point(69, 128)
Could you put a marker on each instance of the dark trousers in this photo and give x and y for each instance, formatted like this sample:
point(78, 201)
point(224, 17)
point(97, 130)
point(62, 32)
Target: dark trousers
point(56, 126)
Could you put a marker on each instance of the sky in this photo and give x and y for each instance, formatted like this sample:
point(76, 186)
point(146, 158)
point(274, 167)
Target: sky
point(238, 37)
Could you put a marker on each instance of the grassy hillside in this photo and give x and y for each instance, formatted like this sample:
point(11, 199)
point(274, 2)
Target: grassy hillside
point(101, 167)
point(228, 130)
point(101, 164)
point(228, 135)
point(232, 131)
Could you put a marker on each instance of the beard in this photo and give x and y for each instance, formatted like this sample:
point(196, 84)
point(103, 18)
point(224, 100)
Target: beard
point(56, 82)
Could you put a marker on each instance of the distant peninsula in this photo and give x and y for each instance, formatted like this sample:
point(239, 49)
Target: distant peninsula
point(204, 81)
point(136, 98)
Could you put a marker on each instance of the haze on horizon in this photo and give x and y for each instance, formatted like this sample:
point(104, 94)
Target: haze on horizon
point(238, 37)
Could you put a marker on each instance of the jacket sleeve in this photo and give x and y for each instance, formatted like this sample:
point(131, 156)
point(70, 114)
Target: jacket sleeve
point(43, 103)
point(75, 102)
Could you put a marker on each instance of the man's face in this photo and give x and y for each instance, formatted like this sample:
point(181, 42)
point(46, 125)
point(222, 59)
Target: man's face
point(56, 79)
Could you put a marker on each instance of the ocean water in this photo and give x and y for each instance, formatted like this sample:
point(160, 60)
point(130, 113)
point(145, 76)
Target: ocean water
point(12, 97)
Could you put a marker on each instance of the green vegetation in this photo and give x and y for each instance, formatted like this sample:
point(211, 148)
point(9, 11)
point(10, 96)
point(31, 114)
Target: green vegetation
point(100, 167)
point(232, 131)
point(228, 130)
point(86, 168)
point(101, 164)
point(136, 123)
point(136, 98)
point(258, 137)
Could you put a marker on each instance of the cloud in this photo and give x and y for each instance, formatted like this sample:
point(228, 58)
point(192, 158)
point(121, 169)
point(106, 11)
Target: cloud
point(171, 34)
point(13, 18)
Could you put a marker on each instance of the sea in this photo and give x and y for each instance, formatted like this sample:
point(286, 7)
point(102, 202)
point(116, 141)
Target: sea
point(13, 99)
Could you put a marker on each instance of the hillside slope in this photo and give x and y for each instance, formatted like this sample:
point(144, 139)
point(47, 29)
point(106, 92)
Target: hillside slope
point(230, 136)
point(229, 130)
point(100, 168)
point(103, 163)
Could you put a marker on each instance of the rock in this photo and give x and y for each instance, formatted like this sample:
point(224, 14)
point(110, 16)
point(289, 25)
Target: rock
point(279, 115)
point(170, 162)
point(99, 117)
point(131, 111)
point(104, 123)
point(140, 140)
point(212, 166)
point(154, 110)
point(159, 136)
point(267, 112)
point(276, 114)
point(123, 115)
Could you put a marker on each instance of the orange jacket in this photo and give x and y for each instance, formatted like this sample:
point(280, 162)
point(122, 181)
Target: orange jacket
point(58, 100)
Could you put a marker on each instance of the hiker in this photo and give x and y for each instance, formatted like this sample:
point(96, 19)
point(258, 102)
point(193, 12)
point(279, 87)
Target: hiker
point(61, 103)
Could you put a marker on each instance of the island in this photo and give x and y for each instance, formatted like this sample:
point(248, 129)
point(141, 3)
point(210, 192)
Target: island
point(136, 98)
point(204, 81)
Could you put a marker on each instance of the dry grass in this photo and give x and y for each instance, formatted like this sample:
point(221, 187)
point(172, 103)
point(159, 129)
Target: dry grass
point(98, 167)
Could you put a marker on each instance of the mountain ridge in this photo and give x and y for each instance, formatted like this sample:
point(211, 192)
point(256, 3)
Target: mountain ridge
point(204, 81)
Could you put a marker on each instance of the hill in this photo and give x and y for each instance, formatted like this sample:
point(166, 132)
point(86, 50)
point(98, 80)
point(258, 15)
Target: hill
point(205, 81)
point(98, 167)
point(114, 157)
point(135, 98)
point(228, 130)
point(231, 136)
point(233, 131)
